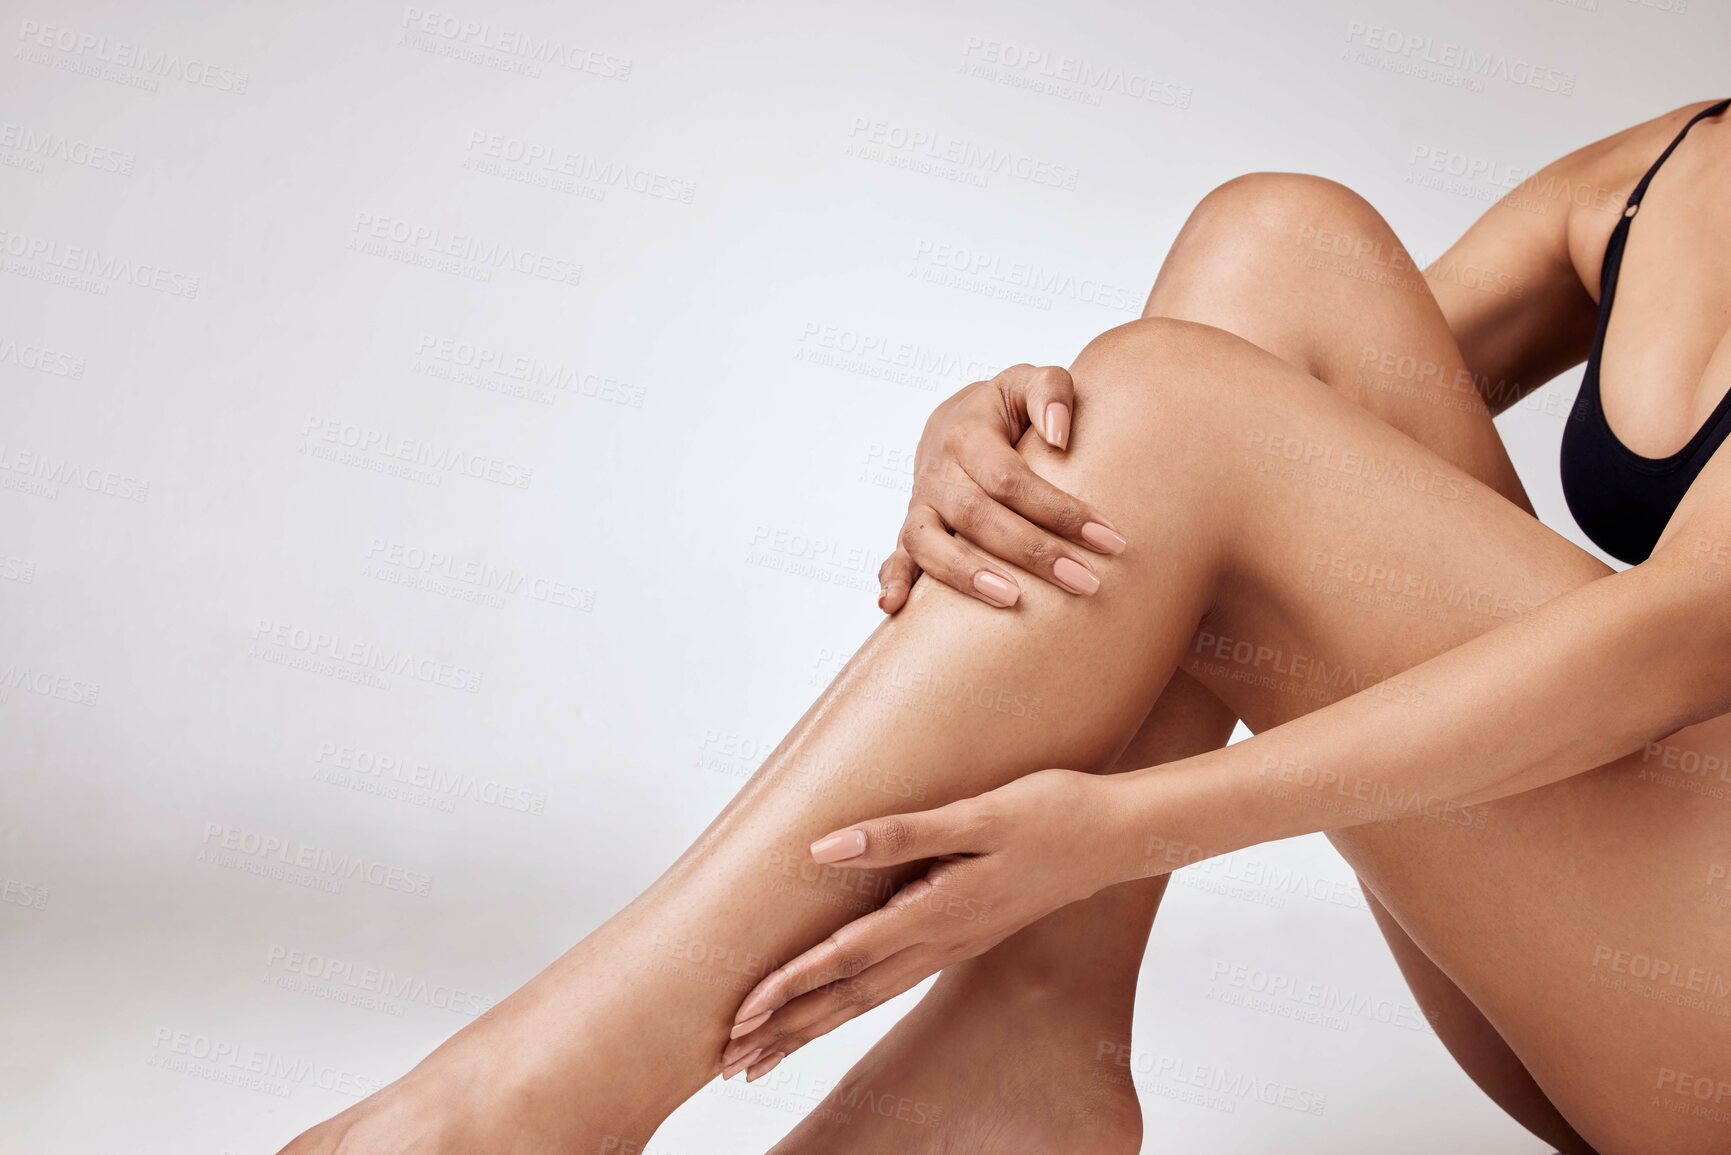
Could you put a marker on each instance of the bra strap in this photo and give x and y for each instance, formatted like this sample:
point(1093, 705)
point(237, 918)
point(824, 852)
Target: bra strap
point(1641, 189)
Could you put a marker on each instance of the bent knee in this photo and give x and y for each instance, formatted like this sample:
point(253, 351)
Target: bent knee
point(1264, 218)
point(1279, 205)
point(1160, 370)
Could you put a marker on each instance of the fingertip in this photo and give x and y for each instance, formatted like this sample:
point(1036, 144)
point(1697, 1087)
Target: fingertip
point(1055, 425)
point(893, 596)
point(998, 590)
point(740, 1064)
point(838, 847)
point(746, 1026)
point(756, 1007)
point(1103, 538)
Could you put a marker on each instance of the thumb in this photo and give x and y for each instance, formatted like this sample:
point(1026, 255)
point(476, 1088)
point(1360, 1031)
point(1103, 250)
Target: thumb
point(1047, 395)
point(900, 838)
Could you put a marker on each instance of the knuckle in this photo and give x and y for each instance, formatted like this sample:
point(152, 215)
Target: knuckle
point(968, 508)
point(1039, 553)
point(987, 822)
point(1004, 479)
point(894, 835)
point(1052, 378)
point(1069, 516)
point(850, 961)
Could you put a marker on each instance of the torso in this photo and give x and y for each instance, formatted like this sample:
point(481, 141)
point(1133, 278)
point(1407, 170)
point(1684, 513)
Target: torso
point(1666, 362)
point(1655, 399)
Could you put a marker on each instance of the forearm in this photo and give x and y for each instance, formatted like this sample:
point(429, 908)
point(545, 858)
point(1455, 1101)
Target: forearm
point(1582, 681)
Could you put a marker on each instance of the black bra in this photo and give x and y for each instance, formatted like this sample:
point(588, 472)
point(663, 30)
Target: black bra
point(1620, 499)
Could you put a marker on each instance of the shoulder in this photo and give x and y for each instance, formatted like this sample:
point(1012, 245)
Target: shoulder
point(1591, 185)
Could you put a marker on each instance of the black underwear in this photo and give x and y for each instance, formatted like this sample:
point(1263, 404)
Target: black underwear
point(1620, 499)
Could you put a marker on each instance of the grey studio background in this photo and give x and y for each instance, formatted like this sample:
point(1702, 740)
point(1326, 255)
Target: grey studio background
point(610, 511)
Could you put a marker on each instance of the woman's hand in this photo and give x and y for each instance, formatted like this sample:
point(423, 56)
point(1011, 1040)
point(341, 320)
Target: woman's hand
point(1004, 859)
point(970, 481)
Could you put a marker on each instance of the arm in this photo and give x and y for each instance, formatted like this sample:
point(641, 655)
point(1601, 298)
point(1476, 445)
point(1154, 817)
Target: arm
point(1510, 292)
point(1514, 287)
point(1521, 706)
point(1463, 728)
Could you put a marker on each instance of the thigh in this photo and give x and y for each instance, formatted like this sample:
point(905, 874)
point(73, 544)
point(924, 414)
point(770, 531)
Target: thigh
point(1367, 326)
point(1575, 916)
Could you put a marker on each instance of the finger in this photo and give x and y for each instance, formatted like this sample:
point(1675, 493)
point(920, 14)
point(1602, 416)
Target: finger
point(958, 828)
point(862, 943)
point(1001, 532)
point(815, 1015)
point(934, 551)
point(1046, 395)
point(895, 578)
point(1006, 477)
point(834, 1003)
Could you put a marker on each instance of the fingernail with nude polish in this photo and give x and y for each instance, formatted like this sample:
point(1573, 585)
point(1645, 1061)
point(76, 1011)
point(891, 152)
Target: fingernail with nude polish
point(748, 1026)
point(1001, 592)
point(838, 847)
point(1057, 429)
point(768, 1066)
point(740, 1064)
point(1075, 577)
point(1103, 538)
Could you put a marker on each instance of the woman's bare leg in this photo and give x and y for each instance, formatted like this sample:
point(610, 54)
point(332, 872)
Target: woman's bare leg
point(946, 700)
point(1375, 335)
point(1180, 446)
point(1023, 1051)
point(1578, 921)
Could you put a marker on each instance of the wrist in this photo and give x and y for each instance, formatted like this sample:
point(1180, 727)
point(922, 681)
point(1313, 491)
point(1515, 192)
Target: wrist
point(1173, 815)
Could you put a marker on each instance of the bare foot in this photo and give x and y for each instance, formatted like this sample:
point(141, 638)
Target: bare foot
point(560, 1066)
point(983, 1066)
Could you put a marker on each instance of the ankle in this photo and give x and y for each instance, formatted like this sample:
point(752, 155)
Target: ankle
point(1068, 1010)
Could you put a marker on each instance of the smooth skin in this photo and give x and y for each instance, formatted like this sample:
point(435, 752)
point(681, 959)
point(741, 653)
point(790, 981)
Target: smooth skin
point(594, 1052)
point(1237, 245)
